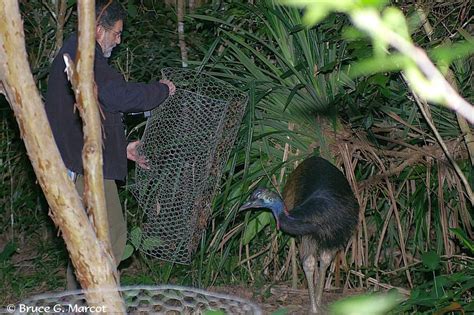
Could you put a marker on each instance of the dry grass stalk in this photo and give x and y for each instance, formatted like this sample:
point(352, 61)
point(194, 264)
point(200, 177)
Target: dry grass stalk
point(380, 284)
point(354, 149)
point(463, 125)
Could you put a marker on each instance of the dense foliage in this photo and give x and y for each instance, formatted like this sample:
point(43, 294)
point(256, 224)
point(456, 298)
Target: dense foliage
point(416, 221)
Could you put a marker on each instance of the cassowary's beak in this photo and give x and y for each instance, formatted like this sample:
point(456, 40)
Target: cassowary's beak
point(253, 204)
point(257, 204)
point(248, 205)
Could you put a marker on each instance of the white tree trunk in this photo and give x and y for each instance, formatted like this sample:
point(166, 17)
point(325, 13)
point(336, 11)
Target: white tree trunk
point(94, 267)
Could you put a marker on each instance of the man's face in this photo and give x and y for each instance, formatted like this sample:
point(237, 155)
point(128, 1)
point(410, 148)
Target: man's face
point(109, 38)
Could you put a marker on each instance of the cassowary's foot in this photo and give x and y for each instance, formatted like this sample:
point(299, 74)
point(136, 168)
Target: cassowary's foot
point(325, 260)
point(316, 300)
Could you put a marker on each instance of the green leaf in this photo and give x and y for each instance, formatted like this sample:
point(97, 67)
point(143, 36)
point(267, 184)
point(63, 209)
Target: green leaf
point(466, 35)
point(281, 311)
point(354, 34)
point(373, 3)
point(415, 293)
point(380, 47)
point(329, 67)
point(469, 285)
point(151, 243)
point(442, 281)
point(449, 52)
point(424, 87)
point(414, 22)
point(394, 19)
point(255, 226)
point(214, 313)
point(132, 9)
point(315, 14)
point(368, 121)
point(8, 251)
point(429, 302)
point(373, 65)
point(368, 304)
point(293, 71)
point(469, 308)
point(136, 236)
point(463, 238)
point(71, 3)
point(431, 260)
point(292, 94)
point(379, 79)
point(127, 252)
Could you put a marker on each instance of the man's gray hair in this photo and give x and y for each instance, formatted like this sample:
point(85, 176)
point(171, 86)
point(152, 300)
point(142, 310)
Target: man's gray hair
point(108, 12)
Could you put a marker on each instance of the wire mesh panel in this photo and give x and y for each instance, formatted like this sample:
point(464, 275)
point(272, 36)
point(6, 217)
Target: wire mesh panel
point(169, 300)
point(186, 141)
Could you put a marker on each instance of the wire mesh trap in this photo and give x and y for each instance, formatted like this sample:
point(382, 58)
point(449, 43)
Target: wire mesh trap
point(169, 300)
point(186, 141)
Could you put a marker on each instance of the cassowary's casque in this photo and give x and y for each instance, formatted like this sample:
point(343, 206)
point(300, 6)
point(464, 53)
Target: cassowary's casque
point(318, 205)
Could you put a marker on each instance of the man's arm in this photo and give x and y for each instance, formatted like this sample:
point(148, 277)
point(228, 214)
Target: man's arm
point(117, 95)
point(171, 86)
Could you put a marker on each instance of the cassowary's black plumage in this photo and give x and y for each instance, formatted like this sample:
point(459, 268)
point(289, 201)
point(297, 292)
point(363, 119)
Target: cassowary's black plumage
point(318, 205)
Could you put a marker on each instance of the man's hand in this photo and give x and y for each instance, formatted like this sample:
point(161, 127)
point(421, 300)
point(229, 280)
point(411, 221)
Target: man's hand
point(170, 85)
point(132, 154)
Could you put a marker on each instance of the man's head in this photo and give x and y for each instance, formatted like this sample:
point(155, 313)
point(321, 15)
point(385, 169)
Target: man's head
point(110, 17)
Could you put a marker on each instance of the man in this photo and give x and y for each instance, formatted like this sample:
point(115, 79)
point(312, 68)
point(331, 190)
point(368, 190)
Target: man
point(116, 96)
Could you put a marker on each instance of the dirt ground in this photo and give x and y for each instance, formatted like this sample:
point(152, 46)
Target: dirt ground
point(278, 297)
point(270, 299)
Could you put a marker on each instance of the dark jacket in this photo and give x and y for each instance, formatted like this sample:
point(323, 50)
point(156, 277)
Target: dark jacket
point(116, 96)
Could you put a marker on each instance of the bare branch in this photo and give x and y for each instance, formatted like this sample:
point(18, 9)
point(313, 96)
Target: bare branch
point(423, 108)
point(437, 84)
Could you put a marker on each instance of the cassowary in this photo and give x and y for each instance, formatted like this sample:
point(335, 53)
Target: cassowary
point(318, 205)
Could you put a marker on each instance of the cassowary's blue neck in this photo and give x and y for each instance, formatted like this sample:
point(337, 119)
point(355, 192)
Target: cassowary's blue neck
point(278, 207)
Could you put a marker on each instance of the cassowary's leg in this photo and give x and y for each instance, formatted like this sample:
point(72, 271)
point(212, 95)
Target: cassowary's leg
point(309, 266)
point(325, 260)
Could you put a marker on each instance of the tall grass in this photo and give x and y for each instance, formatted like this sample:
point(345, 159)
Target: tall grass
point(409, 195)
point(293, 81)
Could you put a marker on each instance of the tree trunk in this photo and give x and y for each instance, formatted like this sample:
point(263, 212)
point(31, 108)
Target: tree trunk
point(94, 267)
point(61, 9)
point(84, 88)
point(182, 43)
